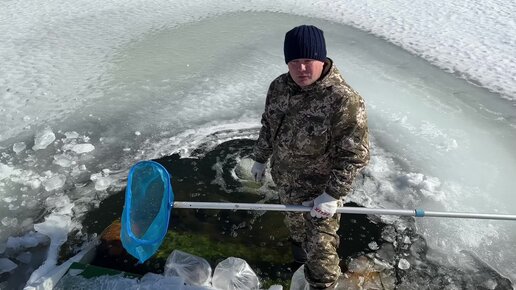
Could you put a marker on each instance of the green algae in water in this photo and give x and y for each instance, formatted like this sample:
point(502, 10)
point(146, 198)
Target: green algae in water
point(202, 246)
point(215, 251)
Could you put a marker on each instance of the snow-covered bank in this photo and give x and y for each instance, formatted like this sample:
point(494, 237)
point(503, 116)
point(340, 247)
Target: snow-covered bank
point(55, 55)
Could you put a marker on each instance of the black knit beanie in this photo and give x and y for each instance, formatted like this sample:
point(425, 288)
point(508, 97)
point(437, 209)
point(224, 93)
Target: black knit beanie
point(305, 41)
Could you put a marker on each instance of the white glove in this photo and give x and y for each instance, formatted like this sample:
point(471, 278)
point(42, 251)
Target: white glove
point(258, 171)
point(324, 206)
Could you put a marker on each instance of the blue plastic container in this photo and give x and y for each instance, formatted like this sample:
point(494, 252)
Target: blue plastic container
point(147, 208)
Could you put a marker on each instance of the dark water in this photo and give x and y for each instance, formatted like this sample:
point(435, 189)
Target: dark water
point(192, 180)
point(261, 239)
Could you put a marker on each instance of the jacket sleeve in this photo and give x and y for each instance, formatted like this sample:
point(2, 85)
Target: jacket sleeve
point(263, 147)
point(349, 146)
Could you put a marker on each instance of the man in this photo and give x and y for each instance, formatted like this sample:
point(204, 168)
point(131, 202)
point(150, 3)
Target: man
point(314, 130)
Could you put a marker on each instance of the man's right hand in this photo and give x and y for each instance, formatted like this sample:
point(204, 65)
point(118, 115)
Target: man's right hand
point(258, 171)
point(324, 206)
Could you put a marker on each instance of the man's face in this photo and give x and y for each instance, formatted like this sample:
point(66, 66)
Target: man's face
point(305, 71)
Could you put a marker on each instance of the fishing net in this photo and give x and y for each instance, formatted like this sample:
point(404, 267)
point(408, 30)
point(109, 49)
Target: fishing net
point(148, 200)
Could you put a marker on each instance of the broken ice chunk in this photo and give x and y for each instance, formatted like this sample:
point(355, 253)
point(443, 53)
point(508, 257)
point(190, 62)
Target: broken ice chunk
point(389, 234)
point(43, 139)
point(63, 160)
point(373, 246)
point(101, 182)
point(71, 135)
point(403, 264)
point(9, 222)
point(54, 182)
point(83, 148)
point(19, 147)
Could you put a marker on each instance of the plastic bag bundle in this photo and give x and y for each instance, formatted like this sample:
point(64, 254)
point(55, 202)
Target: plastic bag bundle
point(194, 270)
point(234, 274)
point(147, 207)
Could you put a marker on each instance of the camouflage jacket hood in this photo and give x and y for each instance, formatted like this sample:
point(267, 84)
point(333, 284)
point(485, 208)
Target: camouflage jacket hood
point(316, 136)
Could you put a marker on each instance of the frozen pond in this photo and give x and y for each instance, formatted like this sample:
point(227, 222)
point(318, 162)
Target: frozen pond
point(86, 93)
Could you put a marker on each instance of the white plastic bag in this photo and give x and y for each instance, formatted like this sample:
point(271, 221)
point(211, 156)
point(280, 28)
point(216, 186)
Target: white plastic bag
point(235, 274)
point(195, 270)
point(298, 280)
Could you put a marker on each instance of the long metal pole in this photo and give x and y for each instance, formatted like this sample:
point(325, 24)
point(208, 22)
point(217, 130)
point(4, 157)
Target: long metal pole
point(352, 210)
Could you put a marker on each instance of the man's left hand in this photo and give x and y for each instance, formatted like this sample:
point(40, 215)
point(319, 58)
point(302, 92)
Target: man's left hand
point(324, 206)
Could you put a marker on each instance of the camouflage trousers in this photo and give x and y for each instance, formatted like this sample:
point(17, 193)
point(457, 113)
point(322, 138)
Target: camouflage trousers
point(318, 237)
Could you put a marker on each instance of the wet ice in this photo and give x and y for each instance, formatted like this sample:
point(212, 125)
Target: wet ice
point(43, 139)
point(54, 182)
point(19, 147)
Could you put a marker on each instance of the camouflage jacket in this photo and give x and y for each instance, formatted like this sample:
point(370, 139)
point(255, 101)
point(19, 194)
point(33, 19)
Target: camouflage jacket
point(316, 136)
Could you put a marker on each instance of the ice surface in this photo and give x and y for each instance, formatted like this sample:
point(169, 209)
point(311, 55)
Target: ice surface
point(466, 40)
point(194, 270)
point(234, 274)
